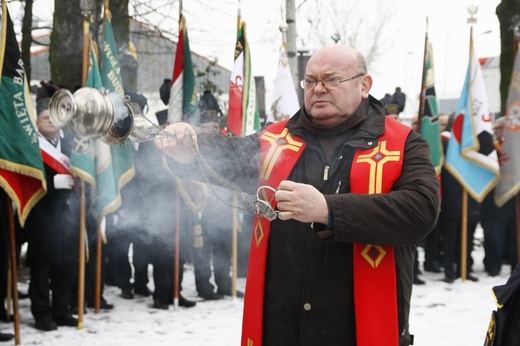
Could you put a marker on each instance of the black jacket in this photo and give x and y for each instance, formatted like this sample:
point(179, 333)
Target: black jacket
point(52, 226)
point(303, 268)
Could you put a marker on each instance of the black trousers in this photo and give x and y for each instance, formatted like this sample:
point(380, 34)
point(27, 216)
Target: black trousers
point(451, 234)
point(57, 279)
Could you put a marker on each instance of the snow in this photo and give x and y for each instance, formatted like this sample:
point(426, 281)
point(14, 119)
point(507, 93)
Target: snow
point(441, 314)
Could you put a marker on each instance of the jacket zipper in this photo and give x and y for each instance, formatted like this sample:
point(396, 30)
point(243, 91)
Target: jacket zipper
point(326, 173)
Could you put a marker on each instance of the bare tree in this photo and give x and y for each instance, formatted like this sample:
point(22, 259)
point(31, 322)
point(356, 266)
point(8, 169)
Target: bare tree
point(346, 22)
point(66, 47)
point(508, 13)
point(27, 38)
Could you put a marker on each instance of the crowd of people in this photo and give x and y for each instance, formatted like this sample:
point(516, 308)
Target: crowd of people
point(158, 216)
point(442, 246)
point(345, 194)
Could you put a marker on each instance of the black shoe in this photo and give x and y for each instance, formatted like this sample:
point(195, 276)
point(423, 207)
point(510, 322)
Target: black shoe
point(472, 278)
point(185, 302)
point(239, 294)
point(417, 281)
point(74, 310)
point(469, 277)
point(67, 320)
point(102, 305)
point(211, 296)
point(126, 293)
point(160, 304)
point(6, 337)
point(449, 279)
point(143, 291)
point(6, 318)
point(46, 324)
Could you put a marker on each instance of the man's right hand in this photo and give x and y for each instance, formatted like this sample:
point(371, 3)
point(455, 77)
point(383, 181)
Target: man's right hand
point(180, 144)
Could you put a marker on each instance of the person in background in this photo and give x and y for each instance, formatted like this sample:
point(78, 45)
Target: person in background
point(334, 222)
point(450, 220)
point(432, 243)
point(499, 223)
point(4, 262)
point(53, 230)
point(214, 250)
point(131, 278)
point(154, 220)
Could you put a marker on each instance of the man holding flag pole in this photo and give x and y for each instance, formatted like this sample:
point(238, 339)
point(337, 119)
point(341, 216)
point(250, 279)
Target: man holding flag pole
point(22, 173)
point(508, 187)
point(471, 157)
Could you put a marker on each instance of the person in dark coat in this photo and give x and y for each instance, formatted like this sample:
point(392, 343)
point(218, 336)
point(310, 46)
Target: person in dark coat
point(212, 255)
point(450, 224)
point(504, 326)
point(499, 223)
point(304, 284)
point(53, 231)
point(149, 220)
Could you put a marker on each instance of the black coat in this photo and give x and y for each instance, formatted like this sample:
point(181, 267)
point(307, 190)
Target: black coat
point(52, 226)
point(301, 267)
point(504, 328)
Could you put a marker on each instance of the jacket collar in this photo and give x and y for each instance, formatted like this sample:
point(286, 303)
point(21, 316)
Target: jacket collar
point(368, 122)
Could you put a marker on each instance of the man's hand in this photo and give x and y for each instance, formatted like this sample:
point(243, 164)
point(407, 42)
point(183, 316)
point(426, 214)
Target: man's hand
point(181, 143)
point(301, 202)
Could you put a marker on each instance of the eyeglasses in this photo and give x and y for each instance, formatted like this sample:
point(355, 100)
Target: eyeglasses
point(329, 83)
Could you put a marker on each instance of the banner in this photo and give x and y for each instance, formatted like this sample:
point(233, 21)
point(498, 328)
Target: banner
point(430, 129)
point(243, 115)
point(22, 173)
point(114, 164)
point(509, 184)
point(183, 103)
point(471, 156)
point(285, 100)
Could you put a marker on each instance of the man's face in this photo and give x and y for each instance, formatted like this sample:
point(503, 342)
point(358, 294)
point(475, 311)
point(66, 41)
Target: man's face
point(329, 106)
point(45, 126)
point(443, 121)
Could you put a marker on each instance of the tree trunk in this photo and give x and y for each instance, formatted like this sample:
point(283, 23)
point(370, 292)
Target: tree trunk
point(507, 12)
point(66, 48)
point(121, 27)
point(27, 38)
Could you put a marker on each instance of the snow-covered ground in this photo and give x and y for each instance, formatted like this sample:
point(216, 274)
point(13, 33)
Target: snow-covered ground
point(442, 314)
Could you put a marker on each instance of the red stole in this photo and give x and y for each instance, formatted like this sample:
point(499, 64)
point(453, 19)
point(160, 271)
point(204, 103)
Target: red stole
point(375, 289)
point(280, 149)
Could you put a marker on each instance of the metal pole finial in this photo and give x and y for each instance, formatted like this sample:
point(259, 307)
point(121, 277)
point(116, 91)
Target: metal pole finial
point(472, 10)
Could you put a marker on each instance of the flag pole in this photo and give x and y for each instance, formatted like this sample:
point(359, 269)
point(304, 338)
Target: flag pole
point(86, 12)
point(97, 284)
point(517, 209)
point(464, 229)
point(422, 96)
point(97, 289)
point(239, 17)
point(14, 272)
point(176, 268)
point(235, 250)
point(176, 253)
point(81, 267)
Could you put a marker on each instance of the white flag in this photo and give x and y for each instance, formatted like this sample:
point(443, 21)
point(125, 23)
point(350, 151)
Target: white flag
point(285, 100)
